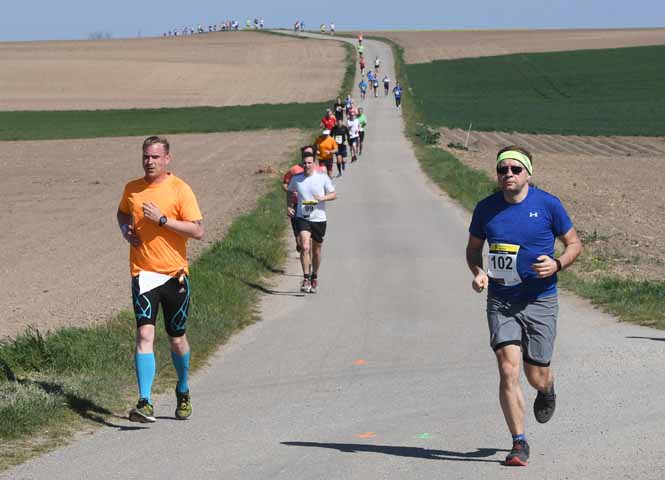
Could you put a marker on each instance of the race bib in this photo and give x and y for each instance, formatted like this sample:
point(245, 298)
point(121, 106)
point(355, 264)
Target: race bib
point(502, 264)
point(339, 139)
point(308, 207)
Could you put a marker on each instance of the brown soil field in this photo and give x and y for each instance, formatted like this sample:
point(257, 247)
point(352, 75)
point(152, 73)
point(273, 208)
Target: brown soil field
point(611, 186)
point(425, 46)
point(216, 69)
point(64, 261)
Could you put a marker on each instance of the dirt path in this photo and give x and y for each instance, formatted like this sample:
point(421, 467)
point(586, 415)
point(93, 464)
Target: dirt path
point(216, 69)
point(63, 258)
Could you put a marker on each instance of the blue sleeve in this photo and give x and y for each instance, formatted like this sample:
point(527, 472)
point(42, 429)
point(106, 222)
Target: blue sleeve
point(477, 225)
point(561, 222)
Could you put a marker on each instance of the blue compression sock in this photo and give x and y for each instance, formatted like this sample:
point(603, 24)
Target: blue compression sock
point(181, 364)
point(145, 373)
point(521, 436)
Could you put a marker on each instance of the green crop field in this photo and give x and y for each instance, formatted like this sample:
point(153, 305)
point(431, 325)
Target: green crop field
point(30, 125)
point(586, 92)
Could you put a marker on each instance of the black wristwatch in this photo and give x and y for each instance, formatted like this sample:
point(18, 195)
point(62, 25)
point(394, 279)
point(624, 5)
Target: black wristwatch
point(163, 220)
point(558, 264)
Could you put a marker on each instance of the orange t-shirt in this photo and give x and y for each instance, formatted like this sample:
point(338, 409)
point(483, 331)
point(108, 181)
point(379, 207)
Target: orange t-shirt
point(325, 146)
point(161, 250)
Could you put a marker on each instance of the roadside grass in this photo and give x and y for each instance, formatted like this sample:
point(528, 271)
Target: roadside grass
point(631, 300)
point(585, 92)
point(56, 384)
point(50, 125)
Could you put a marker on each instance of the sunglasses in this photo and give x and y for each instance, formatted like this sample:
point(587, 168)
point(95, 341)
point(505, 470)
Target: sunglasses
point(516, 169)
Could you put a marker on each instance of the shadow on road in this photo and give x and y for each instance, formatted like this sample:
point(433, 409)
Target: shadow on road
point(84, 407)
point(480, 455)
point(655, 339)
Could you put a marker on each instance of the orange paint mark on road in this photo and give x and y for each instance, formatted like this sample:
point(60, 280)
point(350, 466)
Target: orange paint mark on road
point(359, 362)
point(366, 435)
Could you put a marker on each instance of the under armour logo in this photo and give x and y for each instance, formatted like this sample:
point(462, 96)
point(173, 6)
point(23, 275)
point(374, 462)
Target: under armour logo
point(533, 214)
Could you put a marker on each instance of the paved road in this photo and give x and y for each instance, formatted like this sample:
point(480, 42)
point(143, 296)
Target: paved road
point(386, 373)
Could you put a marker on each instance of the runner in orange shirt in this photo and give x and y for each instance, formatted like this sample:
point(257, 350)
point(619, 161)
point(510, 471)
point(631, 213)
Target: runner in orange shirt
point(157, 214)
point(326, 148)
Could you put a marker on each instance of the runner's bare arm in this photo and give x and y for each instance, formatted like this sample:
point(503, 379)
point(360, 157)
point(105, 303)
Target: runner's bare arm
point(548, 266)
point(127, 228)
point(474, 259)
point(186, 228)
point(328, 197)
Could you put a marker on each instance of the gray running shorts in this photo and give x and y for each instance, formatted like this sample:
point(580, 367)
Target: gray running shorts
point(530, 324)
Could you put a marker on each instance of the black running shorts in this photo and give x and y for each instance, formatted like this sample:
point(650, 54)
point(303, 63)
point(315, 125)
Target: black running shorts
point(317, 229)
point(174, 298)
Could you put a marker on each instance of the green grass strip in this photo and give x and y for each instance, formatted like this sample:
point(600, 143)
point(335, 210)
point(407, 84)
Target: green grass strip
point(586, 92)
point(50, 125)
point(641, 302)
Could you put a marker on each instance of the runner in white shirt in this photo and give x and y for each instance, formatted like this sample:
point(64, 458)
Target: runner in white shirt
point(313, 189)
point(354, 134)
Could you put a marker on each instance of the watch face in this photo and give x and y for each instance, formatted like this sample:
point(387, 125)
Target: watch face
point(162, 220)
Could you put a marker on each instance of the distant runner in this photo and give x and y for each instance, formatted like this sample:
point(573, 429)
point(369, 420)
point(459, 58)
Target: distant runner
point(386, 85)
point(397, 91)
point(339, 109)
point(361, 63)
point(340, 133)
point(362, 121)
point(313, 189)
point(520, 223)
point(363, 88)
point(354, 135)
point(326, 148)
point(328, 121)
point(377, 64)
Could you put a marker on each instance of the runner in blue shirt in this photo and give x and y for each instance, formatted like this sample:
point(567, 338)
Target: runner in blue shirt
point(397, 91)
point(520, 223)
point(363, 88)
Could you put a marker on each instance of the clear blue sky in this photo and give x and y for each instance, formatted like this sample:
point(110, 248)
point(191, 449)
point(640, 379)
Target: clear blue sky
point(76, 19)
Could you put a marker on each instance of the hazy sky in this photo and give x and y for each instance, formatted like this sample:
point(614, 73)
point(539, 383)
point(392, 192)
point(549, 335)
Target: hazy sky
point(77, 19)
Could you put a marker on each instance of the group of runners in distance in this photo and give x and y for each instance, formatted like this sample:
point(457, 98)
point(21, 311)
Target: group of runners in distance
point(158, 213)
point(372, 82)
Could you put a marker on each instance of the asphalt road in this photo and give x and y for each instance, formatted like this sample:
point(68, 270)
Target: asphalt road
point(386, 373)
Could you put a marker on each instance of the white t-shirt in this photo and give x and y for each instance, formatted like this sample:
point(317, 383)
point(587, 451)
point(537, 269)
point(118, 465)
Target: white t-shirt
point(318, 183)
point(354, 127)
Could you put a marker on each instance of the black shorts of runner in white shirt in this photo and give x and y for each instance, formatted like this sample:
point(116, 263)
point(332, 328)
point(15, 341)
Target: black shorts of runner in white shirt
point(529, 324)
point(317, 229)
point(353, 140)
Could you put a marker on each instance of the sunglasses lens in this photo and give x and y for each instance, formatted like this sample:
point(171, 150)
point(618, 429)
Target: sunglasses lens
point(513, 168)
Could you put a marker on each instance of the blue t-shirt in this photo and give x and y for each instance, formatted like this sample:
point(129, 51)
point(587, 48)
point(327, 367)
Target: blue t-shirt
point(533, 225)
point(397, 91)
point(363, 85)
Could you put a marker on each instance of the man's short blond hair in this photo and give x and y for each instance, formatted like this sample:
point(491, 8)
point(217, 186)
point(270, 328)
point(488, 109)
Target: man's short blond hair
point(154, 140)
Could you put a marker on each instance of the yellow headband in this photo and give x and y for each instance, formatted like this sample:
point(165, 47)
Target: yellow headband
point(519, 156)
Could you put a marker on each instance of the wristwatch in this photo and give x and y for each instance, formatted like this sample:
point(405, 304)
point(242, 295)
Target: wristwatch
point(163, 220)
